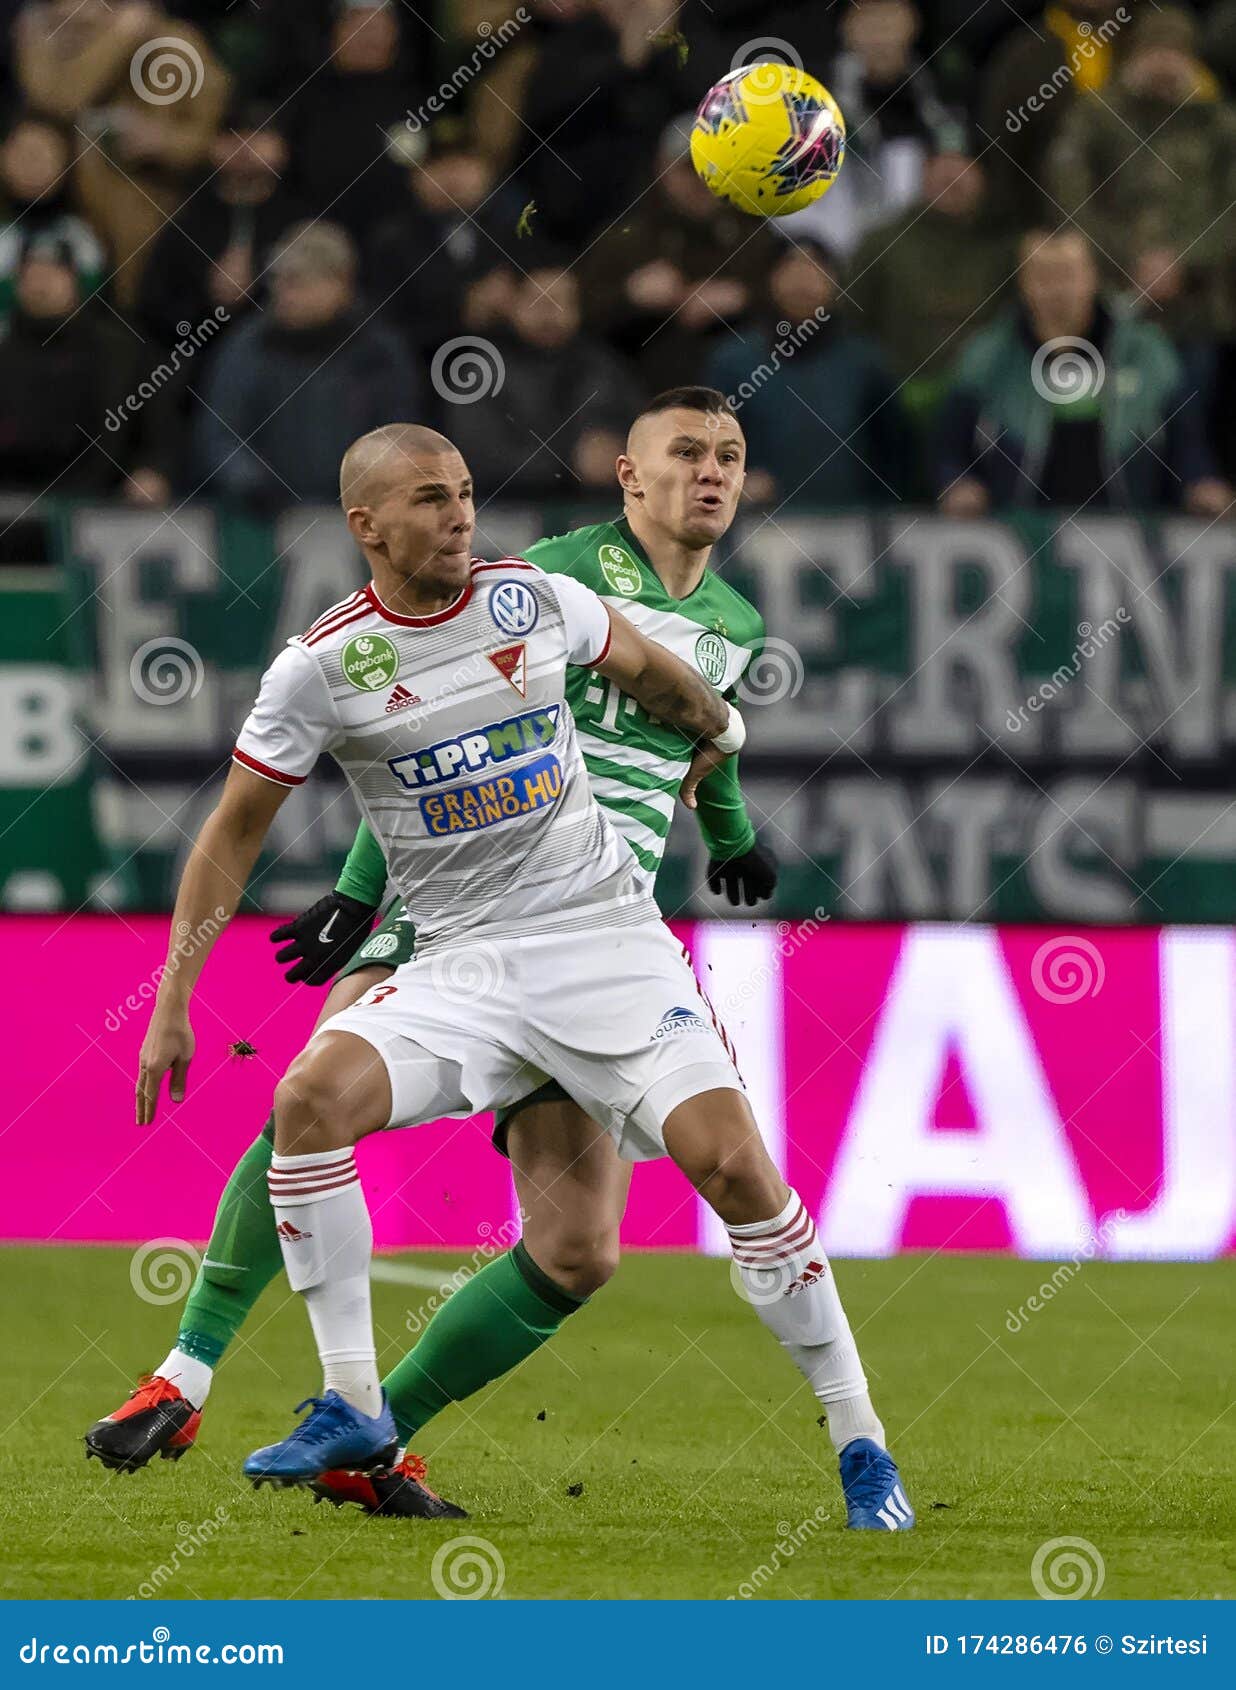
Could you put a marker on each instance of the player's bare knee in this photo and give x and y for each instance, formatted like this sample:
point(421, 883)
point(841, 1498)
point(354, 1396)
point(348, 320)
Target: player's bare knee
point(580, 1263)
point(311, 1112)
point(718, 1147)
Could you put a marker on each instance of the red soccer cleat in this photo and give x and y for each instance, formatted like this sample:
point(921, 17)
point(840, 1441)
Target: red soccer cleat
point(401, 1490)
point(156, 1420)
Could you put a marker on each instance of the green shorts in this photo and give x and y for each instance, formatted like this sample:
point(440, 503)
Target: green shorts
point(390, 945)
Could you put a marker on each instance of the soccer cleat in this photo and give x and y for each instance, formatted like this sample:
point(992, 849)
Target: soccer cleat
point(158, 1419)
point(333, 1434)
point(874, 1499)
point(402, 1491)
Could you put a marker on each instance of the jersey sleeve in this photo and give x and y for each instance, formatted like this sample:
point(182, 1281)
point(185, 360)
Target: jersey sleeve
point(585, 618)
point(753, 637)
point(292, 722)
point(363, 876)
point(721, 813)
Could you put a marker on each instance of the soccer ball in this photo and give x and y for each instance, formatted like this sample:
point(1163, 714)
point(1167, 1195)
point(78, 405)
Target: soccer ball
point(769, 139)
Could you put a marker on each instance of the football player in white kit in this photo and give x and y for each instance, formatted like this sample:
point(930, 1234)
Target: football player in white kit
point(438, 688)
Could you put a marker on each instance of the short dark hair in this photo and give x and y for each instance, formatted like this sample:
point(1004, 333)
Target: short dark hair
point(706, 399)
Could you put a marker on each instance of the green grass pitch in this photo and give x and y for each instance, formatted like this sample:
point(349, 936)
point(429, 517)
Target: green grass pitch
point(662, 1447)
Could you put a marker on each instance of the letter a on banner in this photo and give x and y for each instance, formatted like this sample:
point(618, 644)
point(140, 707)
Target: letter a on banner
point(951, 994)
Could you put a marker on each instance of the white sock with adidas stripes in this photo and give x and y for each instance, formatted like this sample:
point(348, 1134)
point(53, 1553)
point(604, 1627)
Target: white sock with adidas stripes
point(781, 1270)
point(326, 1237)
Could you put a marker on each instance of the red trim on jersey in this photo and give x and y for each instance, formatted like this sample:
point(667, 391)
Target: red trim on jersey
point(375, 603)
point(277, 775)
point(717, 1022)
point(603, 654)
point(335, 610)
point(503, 563)
point(362, 610)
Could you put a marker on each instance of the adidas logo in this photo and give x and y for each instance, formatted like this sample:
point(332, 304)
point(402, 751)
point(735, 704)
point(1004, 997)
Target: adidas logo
point(811, 1273)
point(895, 1512)
point(291, 1234)
point(401, 699)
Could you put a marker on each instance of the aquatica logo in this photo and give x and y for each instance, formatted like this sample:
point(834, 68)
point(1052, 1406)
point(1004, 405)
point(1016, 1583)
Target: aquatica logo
point(381, 945)
point(620, 570)
point(710, 658)
point(370, 661)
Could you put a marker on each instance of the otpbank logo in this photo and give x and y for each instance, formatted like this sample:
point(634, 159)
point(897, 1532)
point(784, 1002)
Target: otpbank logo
point(516, 736)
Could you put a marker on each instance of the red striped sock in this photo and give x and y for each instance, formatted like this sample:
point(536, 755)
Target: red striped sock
point(327, 1240)
point(781, 1270)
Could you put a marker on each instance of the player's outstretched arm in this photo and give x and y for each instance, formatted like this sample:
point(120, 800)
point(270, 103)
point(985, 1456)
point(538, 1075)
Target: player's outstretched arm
point(215, 876)
point(674, 693)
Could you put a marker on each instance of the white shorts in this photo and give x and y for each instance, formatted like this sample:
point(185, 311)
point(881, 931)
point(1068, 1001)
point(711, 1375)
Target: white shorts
point(616, 1016)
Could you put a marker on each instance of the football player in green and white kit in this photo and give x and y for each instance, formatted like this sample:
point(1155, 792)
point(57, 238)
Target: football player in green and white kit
point(681, 477)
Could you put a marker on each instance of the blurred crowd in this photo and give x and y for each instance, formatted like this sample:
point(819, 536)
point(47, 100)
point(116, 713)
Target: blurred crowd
point(234, 238)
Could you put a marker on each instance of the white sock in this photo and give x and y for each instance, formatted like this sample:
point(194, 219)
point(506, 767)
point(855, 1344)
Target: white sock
point(780, 1268)
point(327, 1240)
point(191, 1375)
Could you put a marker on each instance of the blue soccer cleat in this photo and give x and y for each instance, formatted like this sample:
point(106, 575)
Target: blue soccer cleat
point(874, 1499)
point(334, 1434)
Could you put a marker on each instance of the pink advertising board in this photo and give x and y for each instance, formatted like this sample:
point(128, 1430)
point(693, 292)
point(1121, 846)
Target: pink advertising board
point(956, 1088)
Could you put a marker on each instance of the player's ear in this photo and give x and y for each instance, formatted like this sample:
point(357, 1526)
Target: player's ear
point(628, 476)
point(360, 525)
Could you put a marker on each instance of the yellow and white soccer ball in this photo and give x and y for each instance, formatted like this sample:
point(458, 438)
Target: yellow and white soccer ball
point(769, 139)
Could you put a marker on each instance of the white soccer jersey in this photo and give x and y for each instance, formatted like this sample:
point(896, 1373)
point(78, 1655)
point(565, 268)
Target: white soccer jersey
point(455, 737)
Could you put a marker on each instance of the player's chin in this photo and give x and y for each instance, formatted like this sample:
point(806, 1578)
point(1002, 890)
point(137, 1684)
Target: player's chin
point(707, 522)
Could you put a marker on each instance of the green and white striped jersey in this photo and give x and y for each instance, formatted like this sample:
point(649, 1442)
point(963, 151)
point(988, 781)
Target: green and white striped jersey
point(635, 765)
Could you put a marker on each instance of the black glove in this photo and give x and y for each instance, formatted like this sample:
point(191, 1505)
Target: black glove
point(745, 879)
point(323, 937)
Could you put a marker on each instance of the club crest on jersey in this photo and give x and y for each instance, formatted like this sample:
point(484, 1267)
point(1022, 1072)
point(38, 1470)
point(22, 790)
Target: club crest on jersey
point(511, 665)
point(369, 661)
point(620, 570)
point(381, 945)
point(710, 658)
point(679, 1020)
point(513, 607)
point(449, 758)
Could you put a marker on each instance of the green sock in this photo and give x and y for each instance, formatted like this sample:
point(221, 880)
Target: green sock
point(242, 1258)
point(495, 1319)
